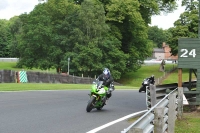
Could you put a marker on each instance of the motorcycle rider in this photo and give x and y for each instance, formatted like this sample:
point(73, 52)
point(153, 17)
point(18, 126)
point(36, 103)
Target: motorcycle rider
point(152, 79)
point(107, 81)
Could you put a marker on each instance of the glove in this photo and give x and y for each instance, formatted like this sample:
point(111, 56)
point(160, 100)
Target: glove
point(110, 89)
point(99, 87)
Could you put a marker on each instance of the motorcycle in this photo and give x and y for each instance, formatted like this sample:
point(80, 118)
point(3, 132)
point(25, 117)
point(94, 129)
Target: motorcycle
point(97, 96)
point(146, 82)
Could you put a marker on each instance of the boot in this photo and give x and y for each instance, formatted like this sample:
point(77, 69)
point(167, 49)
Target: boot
point(106, 101)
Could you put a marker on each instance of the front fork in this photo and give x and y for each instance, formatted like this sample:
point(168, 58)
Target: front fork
point(98, 102)
point(96, 97)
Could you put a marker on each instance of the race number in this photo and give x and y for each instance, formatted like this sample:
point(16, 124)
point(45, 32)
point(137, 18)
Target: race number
point(186, 53)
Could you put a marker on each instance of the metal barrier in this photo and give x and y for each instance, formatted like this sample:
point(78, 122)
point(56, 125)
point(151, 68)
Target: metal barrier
point(160, 118)
point(9, 59)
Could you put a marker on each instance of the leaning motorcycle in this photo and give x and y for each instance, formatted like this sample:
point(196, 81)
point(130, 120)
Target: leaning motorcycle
point(145, 84)
point(97, 96)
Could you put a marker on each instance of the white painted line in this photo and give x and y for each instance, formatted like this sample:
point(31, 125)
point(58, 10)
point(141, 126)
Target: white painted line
point(116, 121)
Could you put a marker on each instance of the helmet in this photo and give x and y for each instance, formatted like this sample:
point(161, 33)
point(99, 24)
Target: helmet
point(106, 73)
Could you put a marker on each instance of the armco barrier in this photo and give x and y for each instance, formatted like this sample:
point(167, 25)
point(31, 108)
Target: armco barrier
point(159, 119)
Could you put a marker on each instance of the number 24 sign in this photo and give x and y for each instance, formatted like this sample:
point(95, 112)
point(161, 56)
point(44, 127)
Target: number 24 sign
point(186, 53)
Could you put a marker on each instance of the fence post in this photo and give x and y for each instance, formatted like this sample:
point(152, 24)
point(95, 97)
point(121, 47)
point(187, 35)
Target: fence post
point(172, 112)
point(2, 76)
point(180, 102)
point(159, 120)
point(12, 76)
point(150, 96)
point(153, 94)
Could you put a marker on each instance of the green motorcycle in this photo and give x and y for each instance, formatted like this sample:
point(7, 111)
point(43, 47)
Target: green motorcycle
point(97, 96)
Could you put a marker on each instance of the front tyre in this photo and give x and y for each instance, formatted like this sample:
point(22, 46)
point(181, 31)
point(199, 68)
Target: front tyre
point(141, 89)
point(90, 104)
point(103, 103)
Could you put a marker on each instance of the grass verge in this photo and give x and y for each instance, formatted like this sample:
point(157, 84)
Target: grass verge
point(46, 86)
point(173, 77)
point(136, 78)
point(189, 123)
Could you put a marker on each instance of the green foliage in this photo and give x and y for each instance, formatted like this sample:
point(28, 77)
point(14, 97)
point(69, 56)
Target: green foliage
point(15, 27)
point(44, 40)
point(4, 38)
point(185, 26)
point(36, 39)
point(89, 28)
point(158, 35)
point(129, 26)
point(93, 33)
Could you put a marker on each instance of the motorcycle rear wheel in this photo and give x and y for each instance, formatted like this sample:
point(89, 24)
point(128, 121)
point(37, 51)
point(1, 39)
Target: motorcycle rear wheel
point(90, 104)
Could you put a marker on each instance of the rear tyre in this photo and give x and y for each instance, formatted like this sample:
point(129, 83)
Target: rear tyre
point(90, 104)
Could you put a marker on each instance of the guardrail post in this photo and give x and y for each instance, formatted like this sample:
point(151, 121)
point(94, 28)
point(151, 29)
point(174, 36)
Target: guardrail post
point(2, 76)
point(159, 121)
point(180, 102)
point(172, 112)
point(153, 94)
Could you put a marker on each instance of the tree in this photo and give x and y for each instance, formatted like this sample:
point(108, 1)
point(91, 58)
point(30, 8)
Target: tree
point(158, 35)
point(36, 39)
point(4, 38)
point(93, 47)
point(185, 26)
point(155, 7)
point(129, 27)
point(93, 33)
point(15, 27)
point(44, 40)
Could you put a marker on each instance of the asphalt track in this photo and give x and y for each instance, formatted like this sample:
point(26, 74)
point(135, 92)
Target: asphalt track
point(65, 112)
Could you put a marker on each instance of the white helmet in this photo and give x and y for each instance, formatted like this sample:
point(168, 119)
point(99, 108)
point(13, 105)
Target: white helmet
point(106, 72)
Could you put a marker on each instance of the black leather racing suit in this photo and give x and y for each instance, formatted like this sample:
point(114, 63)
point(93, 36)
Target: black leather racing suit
point(108, 82)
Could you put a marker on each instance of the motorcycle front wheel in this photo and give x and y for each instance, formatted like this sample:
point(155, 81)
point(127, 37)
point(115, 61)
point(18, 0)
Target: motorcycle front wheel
point(90, 104)
point(141, 89)
point(103, 103)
